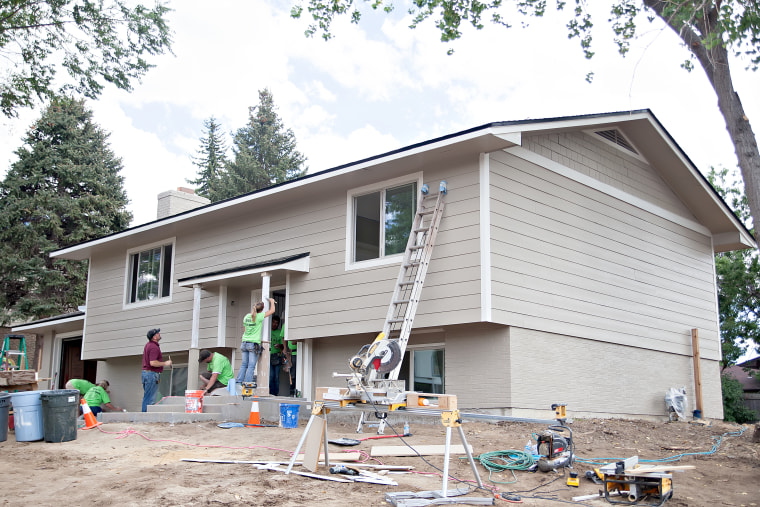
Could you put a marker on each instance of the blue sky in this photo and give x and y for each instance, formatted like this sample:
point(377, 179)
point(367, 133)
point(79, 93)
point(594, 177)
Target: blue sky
point(379, 86)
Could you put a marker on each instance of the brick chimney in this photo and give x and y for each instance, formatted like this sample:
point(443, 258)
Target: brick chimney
point(172, 202)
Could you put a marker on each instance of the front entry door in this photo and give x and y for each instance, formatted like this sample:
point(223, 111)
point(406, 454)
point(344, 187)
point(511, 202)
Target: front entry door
point(71, 364)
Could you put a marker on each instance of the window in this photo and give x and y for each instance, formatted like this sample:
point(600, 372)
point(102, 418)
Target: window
point(149, 274)
point(381, 219)
point(423, 370)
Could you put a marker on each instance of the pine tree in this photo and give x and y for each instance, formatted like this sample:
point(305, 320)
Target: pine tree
point(65, 188)
point(211, 160)
point(264, 152)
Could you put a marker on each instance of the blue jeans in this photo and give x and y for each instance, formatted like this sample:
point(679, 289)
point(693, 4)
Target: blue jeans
point(274, 379)
point(150, 386)
point(250, 358)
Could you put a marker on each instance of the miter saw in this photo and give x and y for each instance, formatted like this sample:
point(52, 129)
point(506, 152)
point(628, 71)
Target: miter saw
point(380, 357)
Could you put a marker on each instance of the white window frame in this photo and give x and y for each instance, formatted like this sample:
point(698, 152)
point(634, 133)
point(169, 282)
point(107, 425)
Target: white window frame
point(128, 279)
point(421, 348)
point(351, 225)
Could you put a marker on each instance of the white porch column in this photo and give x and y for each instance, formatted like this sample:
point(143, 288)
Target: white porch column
point(193, 353)
point(221, 326)
point(262, 369)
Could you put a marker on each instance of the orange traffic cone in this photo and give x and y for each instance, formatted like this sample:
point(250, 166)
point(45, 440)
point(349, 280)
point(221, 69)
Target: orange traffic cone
point(89, 418)
point(254, 417)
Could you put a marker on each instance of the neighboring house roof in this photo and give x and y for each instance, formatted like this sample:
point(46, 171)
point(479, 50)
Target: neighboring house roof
point(60, 323)
point(641, 127)
point(746, 377)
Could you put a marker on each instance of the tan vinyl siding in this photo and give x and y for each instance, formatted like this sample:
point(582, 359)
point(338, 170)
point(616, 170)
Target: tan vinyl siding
point(333, 301)
point(572, 260)
point(593, 157)
point(327, 301)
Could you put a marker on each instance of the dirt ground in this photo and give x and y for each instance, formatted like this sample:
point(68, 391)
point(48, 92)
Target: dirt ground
point(141, 465)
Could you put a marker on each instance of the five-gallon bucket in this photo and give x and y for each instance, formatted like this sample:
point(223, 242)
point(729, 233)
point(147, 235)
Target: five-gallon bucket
point(289, 415)
point(59, 414)
point(193, 402)
point(5, 404)
point(27, 415)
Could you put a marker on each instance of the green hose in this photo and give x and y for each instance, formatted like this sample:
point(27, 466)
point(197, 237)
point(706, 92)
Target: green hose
point(499, 461)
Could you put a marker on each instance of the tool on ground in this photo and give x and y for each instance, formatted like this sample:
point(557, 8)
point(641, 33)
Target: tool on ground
point(572, 479)
point(595, 476)
point(636, 485)
point(13, 358)
point(357, 441)
point(343, 469)
point(555, 444)
point(248, 388)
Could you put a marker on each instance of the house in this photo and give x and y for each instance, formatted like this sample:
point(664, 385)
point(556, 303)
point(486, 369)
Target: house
point(574, 259)
point(748, 375)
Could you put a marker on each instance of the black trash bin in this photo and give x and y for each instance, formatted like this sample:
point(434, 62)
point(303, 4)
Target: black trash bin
point(59, 414)
point(5, 403)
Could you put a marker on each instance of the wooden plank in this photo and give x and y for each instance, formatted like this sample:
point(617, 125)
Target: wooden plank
point(697, 369)
point(276, 468)
point(392, 468)
point(423, 450)
point(336, 456)
point(658, 468)
point(313, 443)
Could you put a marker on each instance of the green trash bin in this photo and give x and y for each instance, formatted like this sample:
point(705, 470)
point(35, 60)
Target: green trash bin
point(5, 403)
point(59, 414)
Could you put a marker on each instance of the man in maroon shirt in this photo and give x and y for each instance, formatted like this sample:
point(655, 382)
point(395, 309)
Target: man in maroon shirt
point(153, 365)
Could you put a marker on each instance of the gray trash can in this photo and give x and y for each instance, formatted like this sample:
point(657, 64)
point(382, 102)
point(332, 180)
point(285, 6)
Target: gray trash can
point(59, 414)
point(5, 404)
point(27, 415)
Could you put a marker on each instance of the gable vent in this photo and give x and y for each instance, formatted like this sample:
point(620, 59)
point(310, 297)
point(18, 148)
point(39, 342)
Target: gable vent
point(616, 137)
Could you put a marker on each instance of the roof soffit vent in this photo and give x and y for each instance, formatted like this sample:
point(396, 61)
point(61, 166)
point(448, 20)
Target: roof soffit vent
point(614, 136)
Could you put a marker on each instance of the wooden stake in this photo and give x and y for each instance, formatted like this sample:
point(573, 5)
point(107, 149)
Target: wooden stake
point(697, 369)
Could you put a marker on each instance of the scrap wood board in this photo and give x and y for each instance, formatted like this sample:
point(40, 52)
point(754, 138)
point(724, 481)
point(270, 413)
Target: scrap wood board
point(393, 468)
point(276, 468)
point(336, 456)
point(424, 450)
point(315, 433)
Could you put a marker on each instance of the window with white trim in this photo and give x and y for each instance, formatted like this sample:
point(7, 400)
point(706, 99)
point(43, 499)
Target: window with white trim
point(149, 273)
point(381, 218)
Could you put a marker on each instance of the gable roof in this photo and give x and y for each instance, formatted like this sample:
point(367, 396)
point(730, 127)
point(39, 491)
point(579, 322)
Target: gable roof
point(641, 127)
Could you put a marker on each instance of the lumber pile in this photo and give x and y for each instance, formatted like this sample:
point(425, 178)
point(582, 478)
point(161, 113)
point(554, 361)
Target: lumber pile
point(17, 377)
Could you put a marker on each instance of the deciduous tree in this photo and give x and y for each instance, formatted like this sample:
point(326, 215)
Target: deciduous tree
point(65, 188)
point(711, 30)
point(105, 41)
point(738, 278)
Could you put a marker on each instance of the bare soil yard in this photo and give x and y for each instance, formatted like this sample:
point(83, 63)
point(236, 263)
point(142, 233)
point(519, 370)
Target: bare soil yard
point(140, 465)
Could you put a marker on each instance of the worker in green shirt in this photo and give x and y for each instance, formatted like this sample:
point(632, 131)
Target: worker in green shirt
point(80, 385)
point(276, 348)
point(291, 362)
point(219, 370)
point(98, 400)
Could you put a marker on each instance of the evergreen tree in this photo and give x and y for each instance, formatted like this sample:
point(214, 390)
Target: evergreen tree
point(65, 188)
point(738, 277)
point(264, 153)
point(211, 160)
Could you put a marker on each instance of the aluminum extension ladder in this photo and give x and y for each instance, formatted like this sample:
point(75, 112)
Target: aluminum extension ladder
point(6, 353)
point(411, 277)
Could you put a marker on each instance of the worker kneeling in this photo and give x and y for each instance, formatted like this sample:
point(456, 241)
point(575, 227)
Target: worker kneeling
point(98, 398)
point(219, 371)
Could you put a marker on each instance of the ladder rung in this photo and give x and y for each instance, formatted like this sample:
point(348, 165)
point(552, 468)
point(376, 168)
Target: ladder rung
point(15, 353)
point(428, 212)
point(393, 321)
point(412, 264)
point(430, 196)
point(417, 247)
point(401, 301)
point(407, 283)
point(421, 229)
